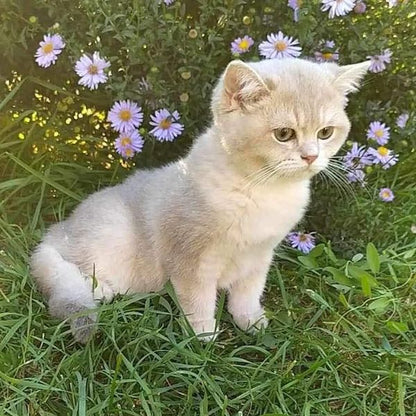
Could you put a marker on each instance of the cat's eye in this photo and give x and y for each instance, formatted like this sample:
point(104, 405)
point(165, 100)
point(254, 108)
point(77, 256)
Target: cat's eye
point(325, 133)
point(285, 134)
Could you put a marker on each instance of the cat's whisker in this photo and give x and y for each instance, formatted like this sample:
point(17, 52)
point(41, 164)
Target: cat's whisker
point(259, 176)
point(338, 183)
point(347, 169)
point(345, 183)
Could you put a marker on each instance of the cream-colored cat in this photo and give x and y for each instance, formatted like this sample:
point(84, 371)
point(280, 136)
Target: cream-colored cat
point(212, 219)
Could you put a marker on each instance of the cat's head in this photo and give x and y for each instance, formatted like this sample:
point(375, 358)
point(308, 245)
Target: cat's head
point(286, 117)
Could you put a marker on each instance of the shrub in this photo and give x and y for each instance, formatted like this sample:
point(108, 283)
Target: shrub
point(170, 56)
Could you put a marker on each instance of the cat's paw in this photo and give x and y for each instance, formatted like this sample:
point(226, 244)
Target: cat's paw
point(83, 328)
point(252, 322)
point(205, 330)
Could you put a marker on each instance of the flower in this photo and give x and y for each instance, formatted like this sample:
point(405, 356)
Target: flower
point(125, 116)
point(386, 194)
point(279, 46)
point(383, 156)
point(337, 7)
point(357, 157)
point(356, 175)
point(302, 241)
point(379, 132)
point(91, 71)
point(360, 7)
point(413, 228)
point(127, 144)
point(242, 45)
point(165, 125)
point(168, 2)
point(49, 49)
point(327, 52)
point(392, 3)
point(401, 121)
point(378, 62)
point(295, 5)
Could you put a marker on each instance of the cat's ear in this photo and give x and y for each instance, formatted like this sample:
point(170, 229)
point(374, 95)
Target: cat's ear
point(348, 77)
point(242, 86)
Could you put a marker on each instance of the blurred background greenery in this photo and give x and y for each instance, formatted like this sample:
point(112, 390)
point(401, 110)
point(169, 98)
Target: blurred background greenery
point(52, 126)
point(342, 326)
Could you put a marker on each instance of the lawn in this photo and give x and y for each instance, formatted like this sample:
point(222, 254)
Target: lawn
point(341, 339)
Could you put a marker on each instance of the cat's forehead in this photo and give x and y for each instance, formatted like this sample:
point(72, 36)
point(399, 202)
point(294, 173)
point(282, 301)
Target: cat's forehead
point(291, 68)
point(302, 90)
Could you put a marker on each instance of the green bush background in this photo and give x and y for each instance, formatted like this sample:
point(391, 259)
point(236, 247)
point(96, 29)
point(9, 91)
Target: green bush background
point(341, 338)
point(151, 42)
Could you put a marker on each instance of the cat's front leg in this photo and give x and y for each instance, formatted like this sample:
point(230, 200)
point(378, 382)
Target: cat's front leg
point(197, 297)
point(244, 294)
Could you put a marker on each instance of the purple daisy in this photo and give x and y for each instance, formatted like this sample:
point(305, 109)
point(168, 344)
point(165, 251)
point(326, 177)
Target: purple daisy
point(360, 7)
point(295, 5)
point(91, 70)
point(129, 143)
point(379, 132)
point(280, 46)
point(125, 116)
point(302, 241)
point(242, 45)
point(337, 7)
point(386, 194)
point(165, 125)
point(402, 120)
point(383, 156)
point(356, 175)
point(378, 62)
point(49, 49)
point(357, 157)
point(327, 52)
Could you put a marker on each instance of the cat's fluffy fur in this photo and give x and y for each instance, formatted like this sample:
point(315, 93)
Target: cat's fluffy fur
point(212, 219)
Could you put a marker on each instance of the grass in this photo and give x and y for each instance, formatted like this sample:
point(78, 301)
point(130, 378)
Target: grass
point(340, 340)
point(329, 349)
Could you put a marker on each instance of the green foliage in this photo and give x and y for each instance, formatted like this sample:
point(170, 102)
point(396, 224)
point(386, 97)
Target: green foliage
point(171, 56)
point(342, 326)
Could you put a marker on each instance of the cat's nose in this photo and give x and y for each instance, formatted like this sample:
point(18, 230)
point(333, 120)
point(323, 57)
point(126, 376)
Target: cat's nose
point(309, 159)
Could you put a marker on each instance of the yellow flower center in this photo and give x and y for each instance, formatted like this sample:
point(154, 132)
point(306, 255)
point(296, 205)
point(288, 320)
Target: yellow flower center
point(129, 152)
point(92, 69)
point(244, 44)
point(125, 141)
point(47, 47)
point(385, 194)
point(327, 55)
point(280, 46)
point(379, 133)
point(383, 151)
point(125, 115)
point(165, 124)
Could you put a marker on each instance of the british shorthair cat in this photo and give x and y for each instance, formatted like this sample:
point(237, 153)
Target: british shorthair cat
point(212, 219)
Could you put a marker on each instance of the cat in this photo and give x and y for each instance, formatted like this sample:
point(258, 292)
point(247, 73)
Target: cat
point(212, 219)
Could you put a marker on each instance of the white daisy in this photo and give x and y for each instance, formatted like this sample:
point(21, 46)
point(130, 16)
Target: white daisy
point(279, 46)
point(91, 71)
point(337, 7)
point(125, 115)
point(49, 49)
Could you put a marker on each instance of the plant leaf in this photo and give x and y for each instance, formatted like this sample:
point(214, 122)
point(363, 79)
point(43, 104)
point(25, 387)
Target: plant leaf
point(373, 259)
point(396, 327)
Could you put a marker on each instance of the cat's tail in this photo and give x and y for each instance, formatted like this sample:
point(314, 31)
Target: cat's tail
point(69, 292)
